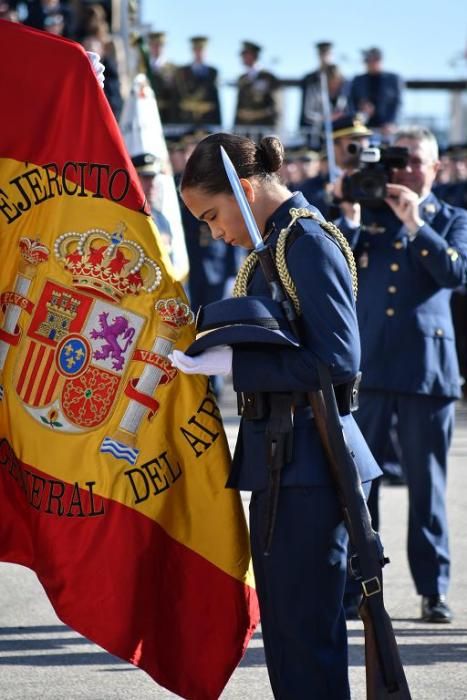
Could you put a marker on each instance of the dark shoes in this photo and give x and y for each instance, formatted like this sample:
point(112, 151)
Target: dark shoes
point(435, 609)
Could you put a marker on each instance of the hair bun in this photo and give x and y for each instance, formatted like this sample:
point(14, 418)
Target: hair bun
point(272, 153)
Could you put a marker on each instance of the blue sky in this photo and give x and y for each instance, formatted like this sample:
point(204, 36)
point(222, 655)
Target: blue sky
point(420, 38)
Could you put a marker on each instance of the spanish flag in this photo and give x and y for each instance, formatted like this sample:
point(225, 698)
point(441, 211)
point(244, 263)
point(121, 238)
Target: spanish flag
point(112, 465)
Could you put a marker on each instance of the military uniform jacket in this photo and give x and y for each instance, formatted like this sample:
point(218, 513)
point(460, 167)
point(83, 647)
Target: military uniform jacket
point(161, 78)
point(197, 96)
point(404, 297)
point(388, 101)
point(311, 110)
point(256, 103)
point(329, 330)
point(163, 83)
point(311, 81)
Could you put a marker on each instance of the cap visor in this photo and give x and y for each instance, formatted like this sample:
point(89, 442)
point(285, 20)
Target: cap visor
point(240, 334)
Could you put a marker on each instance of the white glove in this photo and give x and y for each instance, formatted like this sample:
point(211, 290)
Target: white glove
point(97, 66)
point(217, 360)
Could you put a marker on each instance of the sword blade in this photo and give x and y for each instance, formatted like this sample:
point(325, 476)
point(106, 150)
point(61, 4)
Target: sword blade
point(242, 201)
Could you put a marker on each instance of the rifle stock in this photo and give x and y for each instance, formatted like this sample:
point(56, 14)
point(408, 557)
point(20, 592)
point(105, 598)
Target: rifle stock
point(376, 685)
point(385, 677)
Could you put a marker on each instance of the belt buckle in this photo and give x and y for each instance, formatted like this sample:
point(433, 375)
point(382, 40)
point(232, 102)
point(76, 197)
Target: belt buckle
point(371, 586)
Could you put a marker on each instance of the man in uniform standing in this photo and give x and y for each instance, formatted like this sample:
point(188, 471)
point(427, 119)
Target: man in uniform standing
point(196, 86)
point(411, 253)
point(377, 94)
point(161, 74)
point(311, 81)
point(312, 108)
point(257, 93)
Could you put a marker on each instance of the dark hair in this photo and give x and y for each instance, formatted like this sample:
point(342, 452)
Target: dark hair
point(205, 169)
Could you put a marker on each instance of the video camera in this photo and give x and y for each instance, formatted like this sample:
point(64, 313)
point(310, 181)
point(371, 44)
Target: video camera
point(368, 185)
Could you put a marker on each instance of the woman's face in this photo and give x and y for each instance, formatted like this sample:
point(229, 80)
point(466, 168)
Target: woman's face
point(221, 213)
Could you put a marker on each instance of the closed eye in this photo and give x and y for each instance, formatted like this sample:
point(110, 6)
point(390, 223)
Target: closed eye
point(208, 215)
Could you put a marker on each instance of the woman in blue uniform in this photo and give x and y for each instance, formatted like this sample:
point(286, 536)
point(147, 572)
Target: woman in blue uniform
point(301, 581)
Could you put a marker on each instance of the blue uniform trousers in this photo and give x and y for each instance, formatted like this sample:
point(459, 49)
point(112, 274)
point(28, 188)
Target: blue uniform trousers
point(424, 428)
point(300, 586)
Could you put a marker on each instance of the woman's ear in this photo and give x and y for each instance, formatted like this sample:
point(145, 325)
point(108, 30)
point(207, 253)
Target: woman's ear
point(248, 189)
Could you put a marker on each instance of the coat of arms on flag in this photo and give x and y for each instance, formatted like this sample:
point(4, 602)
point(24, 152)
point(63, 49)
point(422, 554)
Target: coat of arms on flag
point(124, 517)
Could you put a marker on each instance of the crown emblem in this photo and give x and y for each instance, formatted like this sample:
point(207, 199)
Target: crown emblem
point(174, 312)
point(106, 264)
point(33, 251)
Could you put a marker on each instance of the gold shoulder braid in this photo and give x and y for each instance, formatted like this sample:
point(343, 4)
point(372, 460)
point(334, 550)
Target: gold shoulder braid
point(246, 269)
point(244, 274)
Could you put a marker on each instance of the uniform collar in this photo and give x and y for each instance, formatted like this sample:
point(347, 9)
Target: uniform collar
point(159, 62)
point(252, 72)
point(281, 218)
point(199, 68)
point(429, 207)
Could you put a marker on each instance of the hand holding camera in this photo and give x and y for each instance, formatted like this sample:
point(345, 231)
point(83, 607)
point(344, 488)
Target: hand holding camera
point(350, 210)
point(404, 203)
point(368, 185)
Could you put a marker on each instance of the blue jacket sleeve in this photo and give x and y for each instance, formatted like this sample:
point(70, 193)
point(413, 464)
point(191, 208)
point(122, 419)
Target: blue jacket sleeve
point(444, 254)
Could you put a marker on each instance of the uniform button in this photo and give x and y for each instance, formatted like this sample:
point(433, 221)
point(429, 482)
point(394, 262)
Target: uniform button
point(439, 331)
point(394, 267)
point(424, 252)
point(390, 312)
point(392, 289)
point(453, 254)
point(398, 245)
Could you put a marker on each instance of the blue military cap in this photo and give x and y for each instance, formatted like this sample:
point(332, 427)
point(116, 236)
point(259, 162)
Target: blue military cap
point(199, 41)
point(323, 46)
point(239, 321)
point(146, 163)
point(373, 54)
point(250, 46)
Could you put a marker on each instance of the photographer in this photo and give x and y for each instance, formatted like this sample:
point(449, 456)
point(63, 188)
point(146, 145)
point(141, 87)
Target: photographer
point(411, 253)
point(349, 137)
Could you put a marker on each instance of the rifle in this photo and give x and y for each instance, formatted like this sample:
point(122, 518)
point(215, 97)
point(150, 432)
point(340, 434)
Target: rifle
point(385, 677)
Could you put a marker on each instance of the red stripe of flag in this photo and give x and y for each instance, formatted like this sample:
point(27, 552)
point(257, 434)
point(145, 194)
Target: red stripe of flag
point(26, 363)
point(51, 389)
point(172, 613)
point(44, 378)
point(34, 373)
